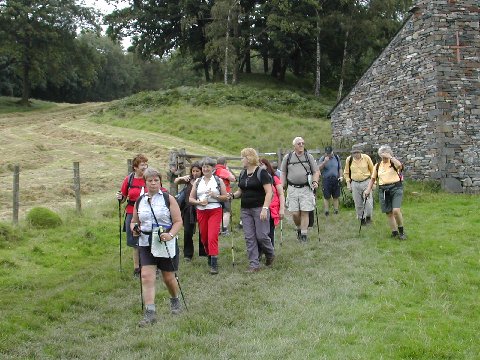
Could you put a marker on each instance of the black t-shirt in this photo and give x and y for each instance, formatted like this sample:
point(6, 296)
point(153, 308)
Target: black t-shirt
point(253, 193)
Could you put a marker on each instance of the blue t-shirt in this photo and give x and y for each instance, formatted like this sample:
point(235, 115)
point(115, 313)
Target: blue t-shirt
point(331, 168)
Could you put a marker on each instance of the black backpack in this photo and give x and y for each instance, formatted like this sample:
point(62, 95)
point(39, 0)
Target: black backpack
point(400, 174)
point(129, 185)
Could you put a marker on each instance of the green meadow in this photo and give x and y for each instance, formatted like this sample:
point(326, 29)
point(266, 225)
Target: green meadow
point(343, 295)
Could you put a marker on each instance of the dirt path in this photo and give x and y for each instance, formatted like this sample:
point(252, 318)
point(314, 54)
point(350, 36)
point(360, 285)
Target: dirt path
point(46, 143)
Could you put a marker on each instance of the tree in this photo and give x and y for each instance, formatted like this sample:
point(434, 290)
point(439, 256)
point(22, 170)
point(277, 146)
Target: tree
point(37, 37)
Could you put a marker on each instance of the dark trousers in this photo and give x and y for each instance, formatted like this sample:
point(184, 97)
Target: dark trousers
point(189, 220)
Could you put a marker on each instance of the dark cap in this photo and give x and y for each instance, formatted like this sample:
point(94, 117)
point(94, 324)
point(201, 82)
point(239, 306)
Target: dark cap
point(328, 150)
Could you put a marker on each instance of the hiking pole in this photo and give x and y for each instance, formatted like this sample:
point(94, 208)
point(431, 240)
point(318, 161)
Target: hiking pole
point(176, 276)
point(120, 233)
point(281, 231)
point(363, 212)
point(231, 216)
point(137, 229)
point(316, 213)
point(233, 253)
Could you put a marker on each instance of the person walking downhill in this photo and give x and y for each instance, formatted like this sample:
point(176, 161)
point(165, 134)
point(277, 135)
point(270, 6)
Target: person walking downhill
point(152, 209)
point(221, 170)
point(189, 213)
point(390, 182)
point(277, 205)
point(300, 177)
point(255, 191)
point(331, 170)
point(358, 172)
point(207, 194)
point(132, 187)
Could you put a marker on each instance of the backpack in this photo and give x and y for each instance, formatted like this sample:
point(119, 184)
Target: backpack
point(219, 187)
point(400, 174)
point(338, 164)
point(259, 177)
point(181, 198)
point(166, 198)
point(129, 185)
point(301, 162)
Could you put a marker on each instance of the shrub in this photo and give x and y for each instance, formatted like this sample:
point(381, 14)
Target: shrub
point(40, 217)
point(7, 235)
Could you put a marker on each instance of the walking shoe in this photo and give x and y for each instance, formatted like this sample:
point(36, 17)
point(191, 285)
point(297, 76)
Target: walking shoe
point(252, 270)
point(394, 234)
point(402, 236)
point(368, 220)
point(335, 211)
point(303, 238)
point(136, 273)
point(148, 318)
point(299, 233)
point(175, 307)
point(209, 261)
point(157, 274)
point(363, 221)
point(327, 213)
point(269, 260)
point(225, 233)
point(214, 265)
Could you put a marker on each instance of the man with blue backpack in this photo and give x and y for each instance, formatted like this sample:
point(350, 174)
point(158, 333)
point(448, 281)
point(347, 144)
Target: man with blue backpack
point(331, 170)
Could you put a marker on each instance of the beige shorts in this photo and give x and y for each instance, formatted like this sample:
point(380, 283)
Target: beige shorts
point(300, 199)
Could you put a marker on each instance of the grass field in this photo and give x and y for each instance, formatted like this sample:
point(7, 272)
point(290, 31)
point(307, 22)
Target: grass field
point(347, 296)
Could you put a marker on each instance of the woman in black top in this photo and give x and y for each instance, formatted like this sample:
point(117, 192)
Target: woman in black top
point(255, 190)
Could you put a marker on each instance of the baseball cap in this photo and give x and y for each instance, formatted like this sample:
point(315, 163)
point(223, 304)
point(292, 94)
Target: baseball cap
point(328, 150)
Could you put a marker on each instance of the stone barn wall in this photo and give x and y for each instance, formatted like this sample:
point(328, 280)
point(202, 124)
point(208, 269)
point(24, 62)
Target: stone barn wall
point(422, 96)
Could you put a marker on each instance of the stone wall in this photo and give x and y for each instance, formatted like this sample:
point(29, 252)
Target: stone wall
point(420, 99)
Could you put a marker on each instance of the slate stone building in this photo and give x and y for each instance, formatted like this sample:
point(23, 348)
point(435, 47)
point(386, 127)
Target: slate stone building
point(422, 96)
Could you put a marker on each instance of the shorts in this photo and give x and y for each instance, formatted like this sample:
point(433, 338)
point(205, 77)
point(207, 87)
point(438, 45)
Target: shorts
point(227, 207)
point(390, 196)
point(300, 199)
point(164, 264)
point(132, 241)
point(331, 188)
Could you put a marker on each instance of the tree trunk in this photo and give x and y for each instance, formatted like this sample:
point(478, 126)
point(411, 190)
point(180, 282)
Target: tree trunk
point(227, 33)
point(25, 79)
point(236, 44)
point(317, 72)
point(276, 67)
point(206, 69)
point(265, 63)
point(283, 70)
point(344, 60)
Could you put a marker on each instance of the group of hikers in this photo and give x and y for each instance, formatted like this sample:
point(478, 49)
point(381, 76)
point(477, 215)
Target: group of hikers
point(154, 218)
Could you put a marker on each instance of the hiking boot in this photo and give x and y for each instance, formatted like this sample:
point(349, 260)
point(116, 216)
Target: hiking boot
point(252, 270)
point(136, 273)
point(225, 233)
point(214, 265)
point(327, 213)
point(149, 318)
point(368, 219)
point(402, 236)
point(209, 261)
point(175, 307)
point(269, 260)
point(394, 235)
point(303, 238)
point(299, 233)
point(335, 211)
point(363, 221)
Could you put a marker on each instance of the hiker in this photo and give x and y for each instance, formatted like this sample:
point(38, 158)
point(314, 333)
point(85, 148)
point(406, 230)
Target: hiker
point(152, 209)
point(331, 170)
point(300, 177)
point(221, 170)
point(358, 172)
point(208, 193)
point(390, 182)
point(132, 187)
point(189, 213)
point(255, 192)
point(277, 205)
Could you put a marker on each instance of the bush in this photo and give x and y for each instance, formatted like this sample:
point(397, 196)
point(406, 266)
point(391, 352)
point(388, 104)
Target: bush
point(40, 217)
point(7, 235)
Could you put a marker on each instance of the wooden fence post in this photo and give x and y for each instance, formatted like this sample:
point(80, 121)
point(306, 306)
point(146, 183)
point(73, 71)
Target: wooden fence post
point(129, 166)
point(76, 185)
point(16, 192)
